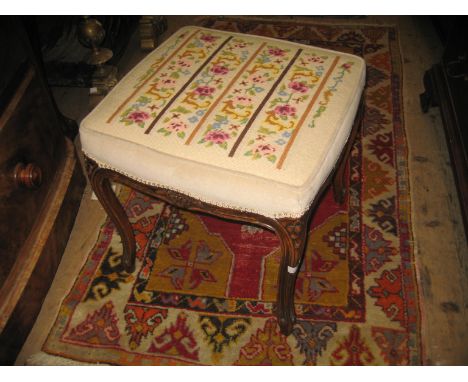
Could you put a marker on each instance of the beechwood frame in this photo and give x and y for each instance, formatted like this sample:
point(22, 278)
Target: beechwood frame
point(292, 232)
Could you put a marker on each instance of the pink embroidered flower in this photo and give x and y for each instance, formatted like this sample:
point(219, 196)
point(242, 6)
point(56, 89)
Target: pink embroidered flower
point(217, 136)
point(138, 116)
point(240, 45)
point(277, 52)
point(219, 69)
point(168, 81)
point(177, 125)
point(316, 59)
point(265, 149)
point(257, 78)
point(347, 65)
point(298, 87)
point(208, 38)
point(242, 101)
point(204, 90)
point(285, 110)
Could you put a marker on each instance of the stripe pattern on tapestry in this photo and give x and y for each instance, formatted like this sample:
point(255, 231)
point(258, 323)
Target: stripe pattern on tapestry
point(232, 82)
point(197, 72)
point(306, 113)
point(262, 104)
point(168, 59)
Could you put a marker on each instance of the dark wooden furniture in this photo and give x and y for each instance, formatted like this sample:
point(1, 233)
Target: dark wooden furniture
point(41, 184)
point(65, 57)
point(292, 232)
point(446, 86)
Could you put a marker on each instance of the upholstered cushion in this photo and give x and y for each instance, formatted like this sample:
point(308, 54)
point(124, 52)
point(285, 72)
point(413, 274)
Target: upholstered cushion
point(241, 121)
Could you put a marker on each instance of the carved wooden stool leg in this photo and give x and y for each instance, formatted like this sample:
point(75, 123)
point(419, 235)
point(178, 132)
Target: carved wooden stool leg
point(293, 236)
point(339, 179)
point(100, 182)
point(339, 182)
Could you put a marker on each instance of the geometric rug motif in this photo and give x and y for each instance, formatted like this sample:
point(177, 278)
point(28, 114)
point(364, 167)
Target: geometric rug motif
point(204, 289)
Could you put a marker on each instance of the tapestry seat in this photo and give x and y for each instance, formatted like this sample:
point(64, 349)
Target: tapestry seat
point(240, 121)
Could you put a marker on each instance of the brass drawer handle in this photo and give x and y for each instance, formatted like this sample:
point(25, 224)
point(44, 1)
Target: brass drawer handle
point(27, 176)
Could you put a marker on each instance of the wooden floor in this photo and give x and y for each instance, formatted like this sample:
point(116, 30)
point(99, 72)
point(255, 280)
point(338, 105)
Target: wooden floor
point(441, 253)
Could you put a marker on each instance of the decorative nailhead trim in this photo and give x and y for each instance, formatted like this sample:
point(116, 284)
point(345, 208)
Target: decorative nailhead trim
point(233, 207)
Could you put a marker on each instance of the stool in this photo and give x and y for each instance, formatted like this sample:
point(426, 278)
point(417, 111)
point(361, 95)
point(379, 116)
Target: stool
point(245, 128)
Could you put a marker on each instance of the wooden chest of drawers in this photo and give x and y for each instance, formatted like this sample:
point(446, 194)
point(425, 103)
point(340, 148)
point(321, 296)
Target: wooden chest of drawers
point(41, 183)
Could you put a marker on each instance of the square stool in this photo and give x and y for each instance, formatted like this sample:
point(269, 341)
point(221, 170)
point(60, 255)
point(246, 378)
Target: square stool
point(246, 128)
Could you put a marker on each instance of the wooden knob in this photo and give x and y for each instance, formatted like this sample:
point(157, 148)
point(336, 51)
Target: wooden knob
point(27, 176)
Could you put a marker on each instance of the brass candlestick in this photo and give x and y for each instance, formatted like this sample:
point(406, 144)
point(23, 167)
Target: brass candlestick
point(91, 34)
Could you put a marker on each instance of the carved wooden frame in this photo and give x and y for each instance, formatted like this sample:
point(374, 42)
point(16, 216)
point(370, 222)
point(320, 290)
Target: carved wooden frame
point(292, 232)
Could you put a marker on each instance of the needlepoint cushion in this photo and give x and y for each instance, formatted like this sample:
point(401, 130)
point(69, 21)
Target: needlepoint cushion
point(236, 120)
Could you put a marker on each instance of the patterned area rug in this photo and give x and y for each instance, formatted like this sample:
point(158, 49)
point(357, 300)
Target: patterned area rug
point(204, 289)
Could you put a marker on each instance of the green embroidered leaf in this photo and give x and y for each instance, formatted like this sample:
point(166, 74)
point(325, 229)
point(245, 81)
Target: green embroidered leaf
point(164, 131)
point(180, 109)
point(298, 67)
point(181, 134)
point(264, 130)
point(272, 158)
point(126, 112)
point(144, 100)
point(174, 75)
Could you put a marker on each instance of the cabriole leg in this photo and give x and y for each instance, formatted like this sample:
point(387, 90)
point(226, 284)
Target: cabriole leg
point(293, 236)
point(339, 178)
point(100, 182)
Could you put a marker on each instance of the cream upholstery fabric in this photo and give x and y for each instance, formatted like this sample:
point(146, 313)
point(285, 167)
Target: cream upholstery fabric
point(241, 121)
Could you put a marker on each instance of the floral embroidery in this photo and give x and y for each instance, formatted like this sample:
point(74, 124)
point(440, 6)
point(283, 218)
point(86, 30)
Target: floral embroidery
point(263, 150)
point(277, 52)
point(298, 87)
point(200, 95)
point(138, 116)
point(218, 137)
point(345, 68)
point(159, 60)
point(219, 69)
point(283, 113)
point(285, 110)
point(238, 106)
point(230, 83)
point(204, 91)
point(135, 115)
point(176, 126)
point(163, 88)
point(208, 38)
